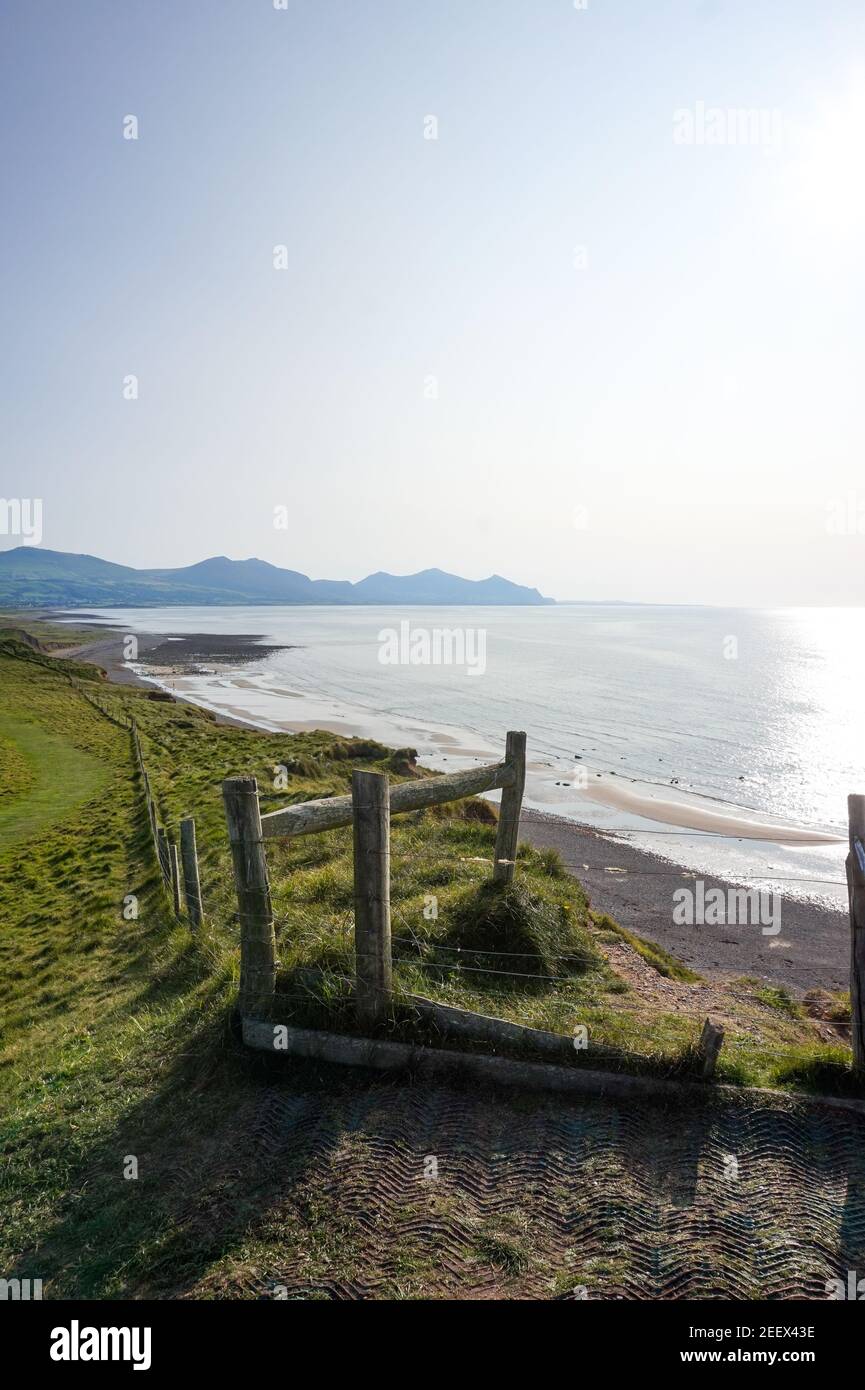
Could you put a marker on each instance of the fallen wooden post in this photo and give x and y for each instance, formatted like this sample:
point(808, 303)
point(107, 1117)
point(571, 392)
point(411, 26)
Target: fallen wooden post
point(371, 804)
point(331, 811)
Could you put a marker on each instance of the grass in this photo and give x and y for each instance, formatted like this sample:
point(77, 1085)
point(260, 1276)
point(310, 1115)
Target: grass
point(50, 636)
point(115, 1022)
point(49, 778)
point(16, 774)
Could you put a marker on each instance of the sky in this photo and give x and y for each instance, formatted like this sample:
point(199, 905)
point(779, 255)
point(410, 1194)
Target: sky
point(499, 286)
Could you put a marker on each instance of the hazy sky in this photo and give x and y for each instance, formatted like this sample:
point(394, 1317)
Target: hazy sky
point(646, 336)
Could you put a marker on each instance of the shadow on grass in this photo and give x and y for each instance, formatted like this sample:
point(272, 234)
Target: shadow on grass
point(209, 1164)
point(227, 1142)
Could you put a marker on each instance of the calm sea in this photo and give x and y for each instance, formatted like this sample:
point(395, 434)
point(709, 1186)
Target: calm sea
point(753, 713)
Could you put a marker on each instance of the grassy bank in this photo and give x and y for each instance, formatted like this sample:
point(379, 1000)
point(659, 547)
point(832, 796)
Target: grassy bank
point(116, 1037)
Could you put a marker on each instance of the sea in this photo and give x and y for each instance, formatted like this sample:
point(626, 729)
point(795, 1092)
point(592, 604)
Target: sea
point(723, 740)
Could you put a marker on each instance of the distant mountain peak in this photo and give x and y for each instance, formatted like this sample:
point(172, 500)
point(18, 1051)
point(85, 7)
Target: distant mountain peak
point(31, 576)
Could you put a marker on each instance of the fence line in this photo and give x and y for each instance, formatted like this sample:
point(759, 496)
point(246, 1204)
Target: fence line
point(369, 809)
point(187, 885)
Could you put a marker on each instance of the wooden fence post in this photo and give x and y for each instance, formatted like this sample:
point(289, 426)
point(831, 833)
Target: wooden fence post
point(154, 827)
point(191, 880)
point(174, 867)
point(710, 1044)
point(162, 853)
point(257, 940)
point(508, 832)
point(856, 896)
point(371, 825)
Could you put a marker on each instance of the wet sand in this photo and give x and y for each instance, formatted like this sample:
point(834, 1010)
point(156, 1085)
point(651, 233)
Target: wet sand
point(167, 659)
point(693, 816)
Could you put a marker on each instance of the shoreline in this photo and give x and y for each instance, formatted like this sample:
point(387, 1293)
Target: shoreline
point(632, 884)
point(173, 660)
point(635, 887)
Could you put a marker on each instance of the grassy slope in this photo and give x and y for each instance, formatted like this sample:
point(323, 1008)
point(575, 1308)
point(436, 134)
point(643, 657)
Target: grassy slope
point(51, 777)
point(115, 1036)
point(49, 635)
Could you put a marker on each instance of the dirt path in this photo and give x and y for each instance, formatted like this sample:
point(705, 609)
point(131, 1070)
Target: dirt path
point(456, 1195)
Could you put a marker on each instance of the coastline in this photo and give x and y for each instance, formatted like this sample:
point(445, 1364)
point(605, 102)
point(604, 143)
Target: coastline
point(632, 884)
point(636, 887)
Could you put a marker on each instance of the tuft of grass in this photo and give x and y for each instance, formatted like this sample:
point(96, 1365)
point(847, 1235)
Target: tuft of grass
point(833, 1006)
point(826, 1072)
point(501, 1243)
point(512, 929)
point(776, 997)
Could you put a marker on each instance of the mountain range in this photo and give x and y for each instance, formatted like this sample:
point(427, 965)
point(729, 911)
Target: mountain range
point(31, 577)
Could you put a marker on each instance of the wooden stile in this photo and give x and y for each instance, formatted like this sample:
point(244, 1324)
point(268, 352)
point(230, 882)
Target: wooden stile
point(369, 808)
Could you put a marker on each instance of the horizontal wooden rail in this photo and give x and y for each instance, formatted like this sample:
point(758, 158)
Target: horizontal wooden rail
point(329, 812)
point(370, 807)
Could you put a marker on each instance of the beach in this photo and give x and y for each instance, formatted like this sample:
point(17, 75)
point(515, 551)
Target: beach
point(632, 884)
point(811, 949)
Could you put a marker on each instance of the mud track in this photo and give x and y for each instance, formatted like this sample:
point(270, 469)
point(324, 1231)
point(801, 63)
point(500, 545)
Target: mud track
point(544, 1198)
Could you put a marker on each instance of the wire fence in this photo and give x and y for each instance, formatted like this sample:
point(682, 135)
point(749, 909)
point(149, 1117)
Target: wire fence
point(412, 951)
point(423, 952)
point(179, 885)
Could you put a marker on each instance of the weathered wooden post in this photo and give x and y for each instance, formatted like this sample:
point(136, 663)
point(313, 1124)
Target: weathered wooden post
point(191, 881)
point(175, 879)
point(370, 799)
point(257, 940)
point(710, 1044)
point(508, 832)
point(856, 897)
point(154, 827)
point(162, 853)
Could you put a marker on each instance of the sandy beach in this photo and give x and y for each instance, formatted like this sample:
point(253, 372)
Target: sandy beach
point(631, 884)
point(812, 948)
